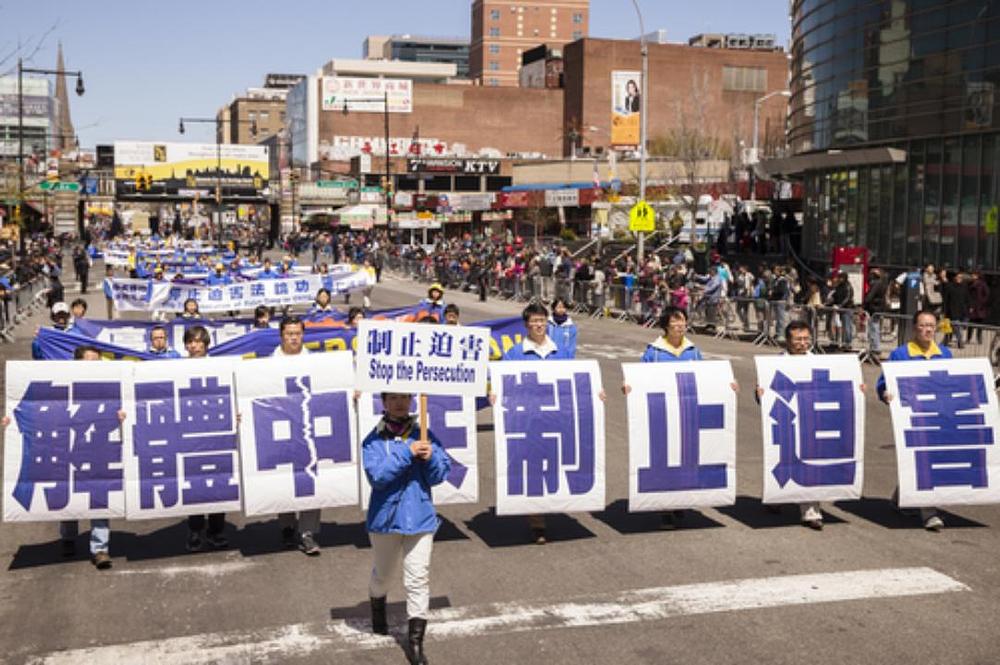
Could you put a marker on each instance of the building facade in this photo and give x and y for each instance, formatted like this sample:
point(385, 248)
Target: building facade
point(502, 30)
point(904, 94)
point(414, 48)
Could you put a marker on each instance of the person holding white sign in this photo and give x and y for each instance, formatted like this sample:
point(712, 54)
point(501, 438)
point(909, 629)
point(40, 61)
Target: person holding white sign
point(921, 347)
point(401, 468)
point(672, 346)
point(297, 530)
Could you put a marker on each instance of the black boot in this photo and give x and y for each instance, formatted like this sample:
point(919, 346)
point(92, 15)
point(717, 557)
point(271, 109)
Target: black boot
point(380, 626)
point(417, 629)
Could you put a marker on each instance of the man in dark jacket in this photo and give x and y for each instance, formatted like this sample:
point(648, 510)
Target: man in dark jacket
point(874, 304)
point(843, 298)
point(955, 306)
point(979, 307)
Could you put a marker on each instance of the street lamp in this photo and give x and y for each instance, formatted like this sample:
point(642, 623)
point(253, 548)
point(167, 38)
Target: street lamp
point(643, 123)
point(385, 112)
point(756, 123)
point(21, 69)
point(217, 121)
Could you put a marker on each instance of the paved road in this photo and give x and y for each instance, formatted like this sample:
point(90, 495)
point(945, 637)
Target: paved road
point(734, 585)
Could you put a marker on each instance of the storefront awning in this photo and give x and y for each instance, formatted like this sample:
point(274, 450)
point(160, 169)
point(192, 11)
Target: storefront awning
point(831, 159)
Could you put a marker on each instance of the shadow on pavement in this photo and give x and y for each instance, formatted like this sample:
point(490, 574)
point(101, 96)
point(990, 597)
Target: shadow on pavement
point(48, 554)
point(359, 615)
point(513, 531)
point(883, 512)
point(617, 517)
point(751, 512)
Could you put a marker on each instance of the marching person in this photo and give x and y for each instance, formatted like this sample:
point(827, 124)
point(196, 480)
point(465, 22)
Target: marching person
point(920, 347)
point(262, 317)
point(798, 342)
point(451, 314)
point(672, 346)
point(321, 307)
point(298, 530)
point(196, 341)
point(100, 529)
point(434, 302)
point(158, 344)
point(561, 328)
point(191, 310)
point(401, 469)
point(60, 321)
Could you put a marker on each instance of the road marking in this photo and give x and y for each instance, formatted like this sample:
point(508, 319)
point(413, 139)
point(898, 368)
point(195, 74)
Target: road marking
point(634, 606)
point(205, 570)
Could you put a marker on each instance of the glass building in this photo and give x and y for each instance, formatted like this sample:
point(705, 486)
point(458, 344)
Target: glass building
point(894, 127)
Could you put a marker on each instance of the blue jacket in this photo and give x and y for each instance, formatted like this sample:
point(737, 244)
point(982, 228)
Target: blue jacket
point(517, 352)
point(657, 352)
point(911, 351)
point(401, 484)
point(166, 354)
point(564, 336)
point(218, 280)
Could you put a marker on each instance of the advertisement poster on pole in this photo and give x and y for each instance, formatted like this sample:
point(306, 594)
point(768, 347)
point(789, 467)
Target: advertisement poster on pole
point(625, 107)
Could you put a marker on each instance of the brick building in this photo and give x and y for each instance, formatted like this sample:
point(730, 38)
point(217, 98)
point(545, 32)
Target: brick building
point(502, 30)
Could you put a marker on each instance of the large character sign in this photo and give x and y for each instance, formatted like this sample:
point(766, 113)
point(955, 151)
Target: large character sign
point(946, 426)
point(549, 425)
point(297, 432)
point(682, 435)
point(184, 457)
point(64, 447)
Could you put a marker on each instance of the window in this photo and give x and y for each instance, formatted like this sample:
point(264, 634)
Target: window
point(494, 49)
point(494, 32)
point(252, 116)
point(495, 14)
point(494, 66)
point(577, 18)
point(577, 35)
point(493, 82)
point(265, 116)
point(744, 79)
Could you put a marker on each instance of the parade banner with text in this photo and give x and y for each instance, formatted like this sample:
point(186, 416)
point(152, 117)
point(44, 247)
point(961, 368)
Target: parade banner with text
point(813, 419)
point(549, 425)
point(297, 432)
point(682, 435)
point(418, 358)
point(184, 458)
point(64, 447)
point(946, 425)
point(452, 419)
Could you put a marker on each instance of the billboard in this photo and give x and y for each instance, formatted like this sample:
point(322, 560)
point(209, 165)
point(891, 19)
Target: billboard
point(187, 168)
point(626, 104)
point(367, 94)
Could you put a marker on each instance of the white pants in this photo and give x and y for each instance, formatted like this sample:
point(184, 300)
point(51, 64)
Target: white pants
point(416, 551)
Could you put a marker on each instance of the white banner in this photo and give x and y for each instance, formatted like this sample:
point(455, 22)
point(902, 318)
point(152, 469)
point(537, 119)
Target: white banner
point(349, 93)
point(549, 426)
point(420, 358)
point(682, 435)
point(452, 419)
point(64, 447)
point(297, 432)
point(813, 420)
point(947, 431)
point(142, 295)
point(184, 458)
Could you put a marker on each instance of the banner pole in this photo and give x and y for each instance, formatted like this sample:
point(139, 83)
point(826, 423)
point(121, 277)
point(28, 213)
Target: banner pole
point(423, 417)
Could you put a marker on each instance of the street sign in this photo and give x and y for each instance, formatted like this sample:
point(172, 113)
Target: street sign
point(641, 218)
point(338, 184)
point(56, 186)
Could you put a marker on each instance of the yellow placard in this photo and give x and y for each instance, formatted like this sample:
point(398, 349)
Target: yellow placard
point(641, 218)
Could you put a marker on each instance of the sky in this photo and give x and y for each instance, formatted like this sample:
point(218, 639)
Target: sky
point(146, 64)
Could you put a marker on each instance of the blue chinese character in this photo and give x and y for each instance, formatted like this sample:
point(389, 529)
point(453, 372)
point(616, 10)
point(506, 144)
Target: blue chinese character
point(174, 293)
point(379, 341)
point(946, 416)
point(441, 343)
point(215, 294)
point(548, 433)
point(236, 293)
point(301, 429)
point(408, 345)
point(822, 434)
point(695, 417)
point(471, 346)
point(194, 426)
point(302, 286)
point(192, 294)
point(281, 288)
point(256, 290)
point(68, 443)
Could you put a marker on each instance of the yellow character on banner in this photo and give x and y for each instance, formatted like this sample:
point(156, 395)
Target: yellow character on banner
point(191, 182)
point(641, 218)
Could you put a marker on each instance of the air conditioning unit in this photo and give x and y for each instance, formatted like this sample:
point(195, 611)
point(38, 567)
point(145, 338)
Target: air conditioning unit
point(763, 42)
point(737, 41)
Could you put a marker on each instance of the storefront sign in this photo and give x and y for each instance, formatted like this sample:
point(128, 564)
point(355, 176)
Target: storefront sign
point(453, 165)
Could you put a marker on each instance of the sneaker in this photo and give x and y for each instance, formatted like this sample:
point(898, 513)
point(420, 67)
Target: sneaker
point(288, 537)
point(194, 542)
point(217, 540)
point(308, 545)
point(934, 523)
point(101, 560)
point(539, 536)
point(67, 548)
point(816, 525)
